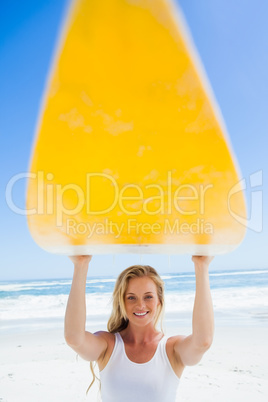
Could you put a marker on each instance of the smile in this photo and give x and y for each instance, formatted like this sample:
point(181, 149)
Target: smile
point(141, 314)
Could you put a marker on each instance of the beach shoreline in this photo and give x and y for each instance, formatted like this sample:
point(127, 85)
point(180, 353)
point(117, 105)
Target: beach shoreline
point(39, 366)
point(36, 364)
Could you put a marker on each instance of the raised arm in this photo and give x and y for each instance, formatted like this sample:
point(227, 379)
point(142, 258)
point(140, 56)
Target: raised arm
point(190, 349)
point(89, 346)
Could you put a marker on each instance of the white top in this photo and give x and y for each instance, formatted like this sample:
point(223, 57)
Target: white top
point(125, 381)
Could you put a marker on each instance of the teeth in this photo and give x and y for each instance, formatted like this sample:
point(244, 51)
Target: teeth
point(140, 313)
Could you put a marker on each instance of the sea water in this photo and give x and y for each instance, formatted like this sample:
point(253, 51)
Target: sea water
point(239, 298)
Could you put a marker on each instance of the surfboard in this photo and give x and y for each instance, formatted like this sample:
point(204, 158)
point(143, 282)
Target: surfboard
point(131, 153)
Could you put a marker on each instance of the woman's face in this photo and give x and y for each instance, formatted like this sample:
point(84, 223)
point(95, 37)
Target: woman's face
point(141, 301)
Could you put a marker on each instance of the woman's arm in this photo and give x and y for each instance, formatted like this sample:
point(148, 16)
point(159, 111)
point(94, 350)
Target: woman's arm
point(89, 346)
point(190, 349)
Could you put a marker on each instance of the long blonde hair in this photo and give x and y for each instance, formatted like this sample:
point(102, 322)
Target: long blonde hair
point(118, 319)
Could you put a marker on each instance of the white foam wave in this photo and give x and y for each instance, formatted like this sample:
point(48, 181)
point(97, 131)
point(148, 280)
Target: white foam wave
point(50, 306)
point(89, 281)
point(239, 273)
point(228, 299)
point(98, 304)
point(43, 285)
point(18, 287)
point(168, 277)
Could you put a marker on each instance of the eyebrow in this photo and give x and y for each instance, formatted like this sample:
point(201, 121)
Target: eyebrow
point(134, 293)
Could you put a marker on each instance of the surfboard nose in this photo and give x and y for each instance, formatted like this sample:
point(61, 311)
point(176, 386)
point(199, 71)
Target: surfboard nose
point(131, 152)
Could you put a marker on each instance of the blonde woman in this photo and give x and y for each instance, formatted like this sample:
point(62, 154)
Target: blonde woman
point(136, 361)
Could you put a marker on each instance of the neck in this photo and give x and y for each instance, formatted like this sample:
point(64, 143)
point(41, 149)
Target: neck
point(139, 335)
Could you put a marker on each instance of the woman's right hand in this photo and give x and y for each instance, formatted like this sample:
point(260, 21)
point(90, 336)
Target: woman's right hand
point(80, 259)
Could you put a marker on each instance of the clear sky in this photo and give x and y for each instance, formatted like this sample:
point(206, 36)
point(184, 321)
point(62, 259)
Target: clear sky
point(232, 40)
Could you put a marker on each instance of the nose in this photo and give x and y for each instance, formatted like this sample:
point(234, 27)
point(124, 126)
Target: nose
point(141, 304)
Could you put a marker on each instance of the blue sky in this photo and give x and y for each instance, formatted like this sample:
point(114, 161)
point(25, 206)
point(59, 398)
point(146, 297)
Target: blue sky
point(232, 40)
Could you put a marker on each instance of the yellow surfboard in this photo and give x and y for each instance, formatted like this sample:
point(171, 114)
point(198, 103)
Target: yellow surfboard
point(131, 153)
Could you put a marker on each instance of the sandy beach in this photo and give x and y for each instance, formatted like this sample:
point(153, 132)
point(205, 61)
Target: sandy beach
point(39, 366)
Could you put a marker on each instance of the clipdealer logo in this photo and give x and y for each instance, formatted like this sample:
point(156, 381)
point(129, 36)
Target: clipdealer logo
point(200, 226)
point(254, 220)
point(168, 199)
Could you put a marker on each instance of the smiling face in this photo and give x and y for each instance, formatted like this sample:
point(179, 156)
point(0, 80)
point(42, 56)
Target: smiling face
point(141, 301)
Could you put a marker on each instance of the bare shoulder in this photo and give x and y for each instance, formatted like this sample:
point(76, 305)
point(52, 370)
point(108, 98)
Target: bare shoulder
point(186, 350)
point(92, 346)
point(173, 341)
point(110, 340)
point(174, 358)
point(107, 336)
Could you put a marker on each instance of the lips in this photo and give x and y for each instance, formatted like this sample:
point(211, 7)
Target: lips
point(142, 314)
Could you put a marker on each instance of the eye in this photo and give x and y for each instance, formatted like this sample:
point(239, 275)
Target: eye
point(148, 297)
point(131, 298)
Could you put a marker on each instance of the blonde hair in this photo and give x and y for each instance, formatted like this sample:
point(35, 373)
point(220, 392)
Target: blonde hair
point(118, 319)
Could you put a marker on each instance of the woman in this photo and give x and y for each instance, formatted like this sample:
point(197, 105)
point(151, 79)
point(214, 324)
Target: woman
point(136, 361)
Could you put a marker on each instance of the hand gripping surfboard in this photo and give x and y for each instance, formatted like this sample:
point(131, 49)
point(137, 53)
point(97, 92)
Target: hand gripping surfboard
point(131, 153)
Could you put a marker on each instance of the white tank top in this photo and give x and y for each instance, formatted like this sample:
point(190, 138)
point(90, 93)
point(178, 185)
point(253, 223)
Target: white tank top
point(125, 381)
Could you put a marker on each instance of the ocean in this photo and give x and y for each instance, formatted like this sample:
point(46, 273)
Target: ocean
point(239, 298)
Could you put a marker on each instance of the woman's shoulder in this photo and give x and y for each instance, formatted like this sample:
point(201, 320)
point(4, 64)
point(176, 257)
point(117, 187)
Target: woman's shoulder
point(174, 358)
point(108, 336)
point(171, 342)
point(110, 340)
point(175, 338)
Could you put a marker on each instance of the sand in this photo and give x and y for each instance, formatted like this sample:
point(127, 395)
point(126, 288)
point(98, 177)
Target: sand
point(38, 366)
